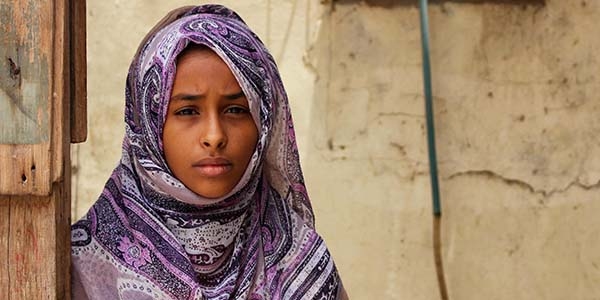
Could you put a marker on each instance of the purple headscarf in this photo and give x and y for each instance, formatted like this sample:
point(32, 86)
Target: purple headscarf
point(149, 237)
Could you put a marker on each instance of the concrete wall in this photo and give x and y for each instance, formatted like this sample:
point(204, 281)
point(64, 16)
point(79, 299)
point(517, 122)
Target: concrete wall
point(516, 92)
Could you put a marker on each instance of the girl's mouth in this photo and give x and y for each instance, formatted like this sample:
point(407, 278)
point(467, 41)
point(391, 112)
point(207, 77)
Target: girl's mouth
point(213, 166)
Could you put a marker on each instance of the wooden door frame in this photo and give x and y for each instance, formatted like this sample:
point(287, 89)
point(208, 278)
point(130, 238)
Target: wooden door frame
point(35, 178)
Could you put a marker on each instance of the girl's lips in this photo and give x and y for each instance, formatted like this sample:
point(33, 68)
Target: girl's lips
point(212, 170)
point(212, 166)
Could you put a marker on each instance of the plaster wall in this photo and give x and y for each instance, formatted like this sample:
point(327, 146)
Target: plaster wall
point(516, 98)
point(516, 103)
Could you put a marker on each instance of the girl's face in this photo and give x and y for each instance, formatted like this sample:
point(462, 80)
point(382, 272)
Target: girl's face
point(209, 135)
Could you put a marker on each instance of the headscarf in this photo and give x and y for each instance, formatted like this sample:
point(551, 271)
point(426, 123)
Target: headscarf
point(150, 237)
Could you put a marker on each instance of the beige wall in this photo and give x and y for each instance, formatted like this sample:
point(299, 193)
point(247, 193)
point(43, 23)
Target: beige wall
point(516, 91)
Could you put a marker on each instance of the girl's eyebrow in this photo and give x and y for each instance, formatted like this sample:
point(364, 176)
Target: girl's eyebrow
point(187, 97)
point(235, 96)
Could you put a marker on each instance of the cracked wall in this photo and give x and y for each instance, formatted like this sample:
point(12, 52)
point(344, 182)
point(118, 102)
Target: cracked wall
point(366, 165)
point(516, 94)
point(516, 98)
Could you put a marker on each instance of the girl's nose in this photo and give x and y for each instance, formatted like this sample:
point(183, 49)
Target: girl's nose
point(214, 136)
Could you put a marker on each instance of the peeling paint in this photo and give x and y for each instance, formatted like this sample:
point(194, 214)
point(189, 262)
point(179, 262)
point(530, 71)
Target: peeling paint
point(24, 65)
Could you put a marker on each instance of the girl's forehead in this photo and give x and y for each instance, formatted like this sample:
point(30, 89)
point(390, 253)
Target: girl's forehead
point(193, 49)
point(199, 70)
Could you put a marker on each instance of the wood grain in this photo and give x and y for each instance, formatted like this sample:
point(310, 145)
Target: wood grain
point(25, 54)
point(34, 246)
point(34, 182)
point(61, 91)
point(25, 169)
point(27, 66)
point(78, 72)
point(4, 241)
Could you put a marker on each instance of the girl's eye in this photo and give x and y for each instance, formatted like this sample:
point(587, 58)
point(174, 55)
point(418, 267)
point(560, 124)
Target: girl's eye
point(236, 110)
point(186, 112)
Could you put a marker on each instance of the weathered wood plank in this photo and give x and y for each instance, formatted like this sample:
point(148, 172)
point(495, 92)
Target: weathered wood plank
point(26, 70)
point(37, 258)
point(31, 248)
point(34, 243)
point(25, 169)
point(78, 72)
point(60, 154)
point(4, 239)
point(25, 51)
point(61, 91)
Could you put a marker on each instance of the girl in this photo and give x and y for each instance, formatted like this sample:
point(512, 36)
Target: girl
point(208, 201)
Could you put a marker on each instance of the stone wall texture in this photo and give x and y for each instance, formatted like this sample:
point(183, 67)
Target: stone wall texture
point(516, 88)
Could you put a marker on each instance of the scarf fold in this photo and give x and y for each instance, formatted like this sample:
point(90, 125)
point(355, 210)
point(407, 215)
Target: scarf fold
point(149, 237)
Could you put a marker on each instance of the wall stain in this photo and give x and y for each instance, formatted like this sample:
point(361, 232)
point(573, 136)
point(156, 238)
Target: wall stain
point(398, 147)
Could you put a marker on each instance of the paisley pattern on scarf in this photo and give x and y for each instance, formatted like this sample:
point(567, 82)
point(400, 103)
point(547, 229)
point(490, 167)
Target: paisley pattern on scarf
point(149, 237)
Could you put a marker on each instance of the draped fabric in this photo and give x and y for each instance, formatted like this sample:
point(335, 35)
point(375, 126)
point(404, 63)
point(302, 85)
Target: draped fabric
point(149, 237)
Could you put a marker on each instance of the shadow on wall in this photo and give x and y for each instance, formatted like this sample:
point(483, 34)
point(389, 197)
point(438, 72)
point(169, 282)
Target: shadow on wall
point(392, 3)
